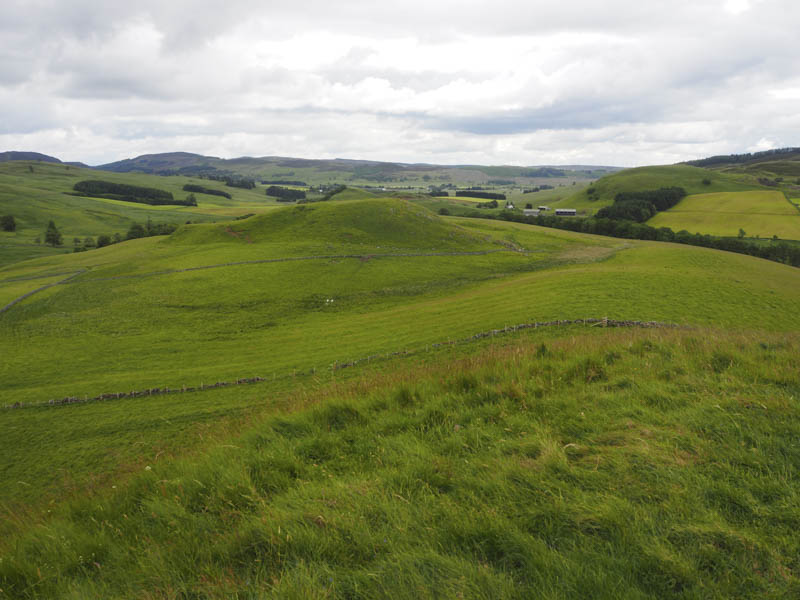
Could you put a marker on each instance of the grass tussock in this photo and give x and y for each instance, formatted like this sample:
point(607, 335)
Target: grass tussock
point(633, 464)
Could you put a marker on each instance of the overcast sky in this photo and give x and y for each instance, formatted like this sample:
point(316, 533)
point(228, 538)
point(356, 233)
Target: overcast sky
point(617, 82)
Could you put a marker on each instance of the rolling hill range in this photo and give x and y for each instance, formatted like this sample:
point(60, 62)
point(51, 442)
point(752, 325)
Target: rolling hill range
point(388, 417)
point(355, 172)
point(356, 270)
point(37, 192)
point(363, 398)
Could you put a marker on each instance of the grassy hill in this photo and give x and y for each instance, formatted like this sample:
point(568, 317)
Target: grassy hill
point(762, 213)
point(35, 193)
point(555, 462)
point(602, 192)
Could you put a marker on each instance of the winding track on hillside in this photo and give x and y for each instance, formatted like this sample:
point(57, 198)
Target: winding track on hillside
point(69, 280)
point(40, 289)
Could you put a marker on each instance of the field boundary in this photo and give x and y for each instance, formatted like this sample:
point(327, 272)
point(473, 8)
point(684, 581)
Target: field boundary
point(39, 289)
point(335, 366)
point(295, 258)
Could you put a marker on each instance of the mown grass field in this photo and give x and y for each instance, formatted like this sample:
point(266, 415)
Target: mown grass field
point(758, 213)
point(556, 463)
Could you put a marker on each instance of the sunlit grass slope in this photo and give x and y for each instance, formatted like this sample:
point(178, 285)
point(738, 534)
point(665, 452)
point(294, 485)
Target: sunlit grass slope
point(631, 464)
point(651, 178)
point(761, 213)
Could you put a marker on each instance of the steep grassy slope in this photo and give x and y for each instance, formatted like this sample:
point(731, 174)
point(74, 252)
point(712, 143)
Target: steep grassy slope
point(602, 192)
point(627, 464)
point(762, 213)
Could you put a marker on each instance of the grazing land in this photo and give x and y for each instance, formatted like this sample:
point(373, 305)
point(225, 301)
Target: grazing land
point(37, 192)
point(694, 180)
point(384, 430)
point(758, 213)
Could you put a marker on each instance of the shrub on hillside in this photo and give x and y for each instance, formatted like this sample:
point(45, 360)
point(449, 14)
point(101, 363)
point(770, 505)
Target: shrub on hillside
point(7, 223)
point(52, 235)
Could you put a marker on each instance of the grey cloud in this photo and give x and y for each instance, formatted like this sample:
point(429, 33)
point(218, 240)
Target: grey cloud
point(652, 67)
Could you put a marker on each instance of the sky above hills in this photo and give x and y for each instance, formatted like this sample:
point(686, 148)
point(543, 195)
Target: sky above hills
point(619, 82)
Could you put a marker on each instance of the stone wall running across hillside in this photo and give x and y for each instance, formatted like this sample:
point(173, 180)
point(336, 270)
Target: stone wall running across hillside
point(603, 322)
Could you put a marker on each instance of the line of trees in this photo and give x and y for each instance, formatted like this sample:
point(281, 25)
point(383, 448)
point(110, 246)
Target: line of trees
point(781, 252)
point(330, 192)
point(199, 189)
point(237, 182)
point(97, 188)
point(640, 206)
point(492, 204)
point(284, 182)
point(285, 194)
point(135, 231)
point(538, 188)
point(483, 195)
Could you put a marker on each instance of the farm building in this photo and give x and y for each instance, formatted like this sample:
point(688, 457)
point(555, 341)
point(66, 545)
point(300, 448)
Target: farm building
point(566, 212)
point(530, 212)
point(544, 208)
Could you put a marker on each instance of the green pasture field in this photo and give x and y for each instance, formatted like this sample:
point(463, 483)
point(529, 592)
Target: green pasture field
point(651, 178)
point(549, 463)
point(140, 324)
point(758, 213)
point(590, 463)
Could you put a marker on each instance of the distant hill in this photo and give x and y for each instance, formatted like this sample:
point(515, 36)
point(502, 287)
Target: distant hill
point(357, 172)
point(15, 155)
point(777, 163)
point(792, 154)
point(159, 164)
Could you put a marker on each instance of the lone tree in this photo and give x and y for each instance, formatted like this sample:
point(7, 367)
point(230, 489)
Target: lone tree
point(52, 236)
point(7, 223)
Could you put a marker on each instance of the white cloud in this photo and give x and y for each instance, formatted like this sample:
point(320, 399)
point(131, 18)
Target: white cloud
point(618, 82)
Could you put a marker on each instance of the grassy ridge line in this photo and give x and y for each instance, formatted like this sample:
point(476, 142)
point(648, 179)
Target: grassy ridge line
point(336, 365)
point(656, 464)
